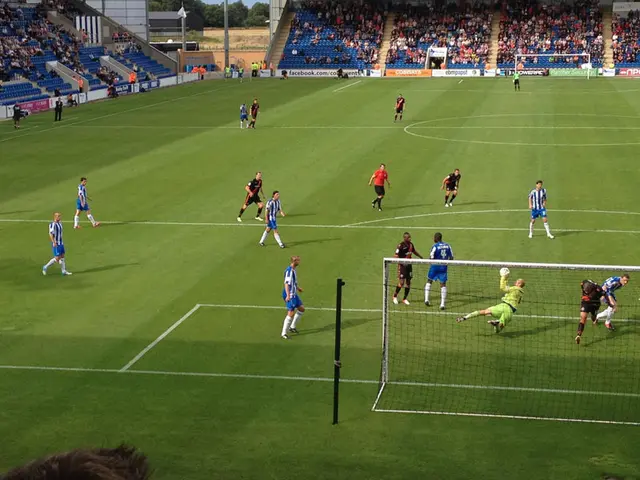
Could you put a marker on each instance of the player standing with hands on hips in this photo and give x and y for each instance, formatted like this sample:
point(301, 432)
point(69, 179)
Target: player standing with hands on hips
point(292, 300)
point(538, 207)
point(378, 178)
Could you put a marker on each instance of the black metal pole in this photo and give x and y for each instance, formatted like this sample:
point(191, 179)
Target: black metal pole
point(336, 358)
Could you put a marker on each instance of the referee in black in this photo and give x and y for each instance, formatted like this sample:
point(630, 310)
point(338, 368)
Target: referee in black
point(58, 108)
point(17, 115)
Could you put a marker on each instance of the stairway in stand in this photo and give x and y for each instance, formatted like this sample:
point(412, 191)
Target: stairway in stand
point(281, 41)
point(386, 41)
point(607, 35)
point(495, 38)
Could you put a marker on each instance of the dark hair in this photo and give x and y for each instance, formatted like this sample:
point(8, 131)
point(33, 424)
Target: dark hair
point(437, 237)
point(121, 463)
point(382, 165)
point(626, 275)
point(406, 233)
point(274, 192)
point(539, 182)
point(82, 179)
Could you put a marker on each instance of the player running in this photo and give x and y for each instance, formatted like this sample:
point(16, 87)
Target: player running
point(57, 244)
point(255, 107)
point(405, 271)
point(399, 108)
point(244, 116)
point(590, 304)
point(273, 207)
point(82, 205)
point(292, 300)
point(439, 251)
point(451, 183)
point(253, 189)
point(609, 287)
point(538, 207)
point(503, 311)
point(378, 178)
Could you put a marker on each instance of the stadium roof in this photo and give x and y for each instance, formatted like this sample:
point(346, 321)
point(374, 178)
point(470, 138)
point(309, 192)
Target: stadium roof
point(163, 15)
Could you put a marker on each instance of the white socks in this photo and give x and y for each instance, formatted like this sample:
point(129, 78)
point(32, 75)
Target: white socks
point(90, 217)
point(285, 325)
point(530, 229)
point(76, 221)
point(264, 236)
point(277, 237)
point(296, 318)
point(443, 294)
point(427, 291)
point(546, 227)
point(63, 265)
point(51, 262)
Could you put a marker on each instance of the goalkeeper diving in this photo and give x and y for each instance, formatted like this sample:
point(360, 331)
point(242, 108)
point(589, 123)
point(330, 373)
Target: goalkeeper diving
point(502, 312)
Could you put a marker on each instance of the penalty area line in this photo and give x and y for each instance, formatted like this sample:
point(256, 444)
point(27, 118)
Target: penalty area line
point(347, 86)
point(163, 335)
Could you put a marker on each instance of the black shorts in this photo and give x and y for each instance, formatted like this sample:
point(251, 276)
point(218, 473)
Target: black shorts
point(589, 307)
point(252, 199)
point(451, 188)
point(405, 272)
point(379, 189)
point(399, 110)
point(17, 117)
point(516, 82)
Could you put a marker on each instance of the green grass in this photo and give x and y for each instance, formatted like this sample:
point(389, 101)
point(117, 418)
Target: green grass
point(166, 173)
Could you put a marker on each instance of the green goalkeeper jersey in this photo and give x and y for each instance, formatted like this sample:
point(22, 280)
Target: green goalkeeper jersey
point(513, 295)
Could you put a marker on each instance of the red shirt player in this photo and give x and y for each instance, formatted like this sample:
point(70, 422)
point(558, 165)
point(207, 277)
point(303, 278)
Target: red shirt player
point(399, 107)
point(378, 178)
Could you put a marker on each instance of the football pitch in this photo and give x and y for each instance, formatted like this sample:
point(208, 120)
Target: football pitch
point(167, 336)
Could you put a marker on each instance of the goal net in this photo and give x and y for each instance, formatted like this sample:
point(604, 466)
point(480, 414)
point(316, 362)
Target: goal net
point(532, 369)
point(579, 63)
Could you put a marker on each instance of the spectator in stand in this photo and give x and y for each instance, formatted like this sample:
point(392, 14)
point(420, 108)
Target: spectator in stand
point(625, 37)
point(559, 28)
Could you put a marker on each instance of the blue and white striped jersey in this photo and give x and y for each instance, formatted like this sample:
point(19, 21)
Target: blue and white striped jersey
point(55, 229)
point(243, 109)
point(538, 198)
point(612, 284)
point(291, 279)
point(82, 192)
point(441, 251)
point(273, 207)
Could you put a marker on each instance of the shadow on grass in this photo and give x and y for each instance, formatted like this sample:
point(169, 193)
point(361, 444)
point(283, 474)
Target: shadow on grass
point(346, 324)
point(296, 215)
point(399, 207)
point(611, 336)
point(566, 234)
point(105, 268)
point(533, 331)
point(307, 242)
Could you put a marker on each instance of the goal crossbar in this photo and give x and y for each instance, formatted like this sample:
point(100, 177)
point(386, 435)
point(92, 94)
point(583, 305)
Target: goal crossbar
point(563, 266)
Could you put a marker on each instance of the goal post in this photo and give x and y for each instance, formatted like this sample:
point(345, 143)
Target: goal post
point(582, 61)
point(531, 369)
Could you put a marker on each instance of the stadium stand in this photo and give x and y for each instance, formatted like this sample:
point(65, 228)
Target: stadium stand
point(28, 41)
point(530, 27)
point(466, 32)
point(334, 35)
point(625, 39)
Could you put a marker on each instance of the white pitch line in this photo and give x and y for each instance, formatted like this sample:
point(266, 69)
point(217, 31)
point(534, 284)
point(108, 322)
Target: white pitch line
point(144, 351)
point(474, 212)
point(460, 82)
point(511, 417)
point(250, 376)
point(367, 225)
point(401, 310)
point(347, 86)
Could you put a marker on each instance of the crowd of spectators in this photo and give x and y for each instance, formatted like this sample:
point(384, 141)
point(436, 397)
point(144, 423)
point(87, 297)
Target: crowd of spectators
point(625, 37)
point(352, 29)
point(108, 76)
point(562, 28)
point(465, 31)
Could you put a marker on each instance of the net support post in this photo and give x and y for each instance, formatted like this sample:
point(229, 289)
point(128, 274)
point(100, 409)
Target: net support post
point(336, 357)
